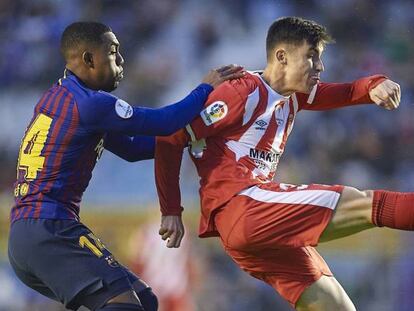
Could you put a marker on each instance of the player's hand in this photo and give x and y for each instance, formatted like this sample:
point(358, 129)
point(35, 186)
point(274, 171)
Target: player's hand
point(172, 230)
point(216, 76)
point(387, 94)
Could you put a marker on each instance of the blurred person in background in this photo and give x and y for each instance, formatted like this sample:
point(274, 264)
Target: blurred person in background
point(271, 229)
point(50, 250)
point(169, 271)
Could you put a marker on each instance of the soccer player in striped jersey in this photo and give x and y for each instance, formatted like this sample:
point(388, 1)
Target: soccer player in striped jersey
point(49, 248)
point(271, 229)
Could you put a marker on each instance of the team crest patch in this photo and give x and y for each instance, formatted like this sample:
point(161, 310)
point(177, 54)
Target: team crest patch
point(123, 109)
point(214, 112)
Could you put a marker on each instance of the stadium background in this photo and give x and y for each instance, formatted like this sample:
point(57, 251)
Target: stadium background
point(168, 45)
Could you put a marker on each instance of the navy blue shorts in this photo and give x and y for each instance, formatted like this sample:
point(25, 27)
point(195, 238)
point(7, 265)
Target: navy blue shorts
point(64, 261)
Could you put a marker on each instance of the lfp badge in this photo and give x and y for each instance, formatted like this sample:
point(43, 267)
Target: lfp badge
point(214, 112)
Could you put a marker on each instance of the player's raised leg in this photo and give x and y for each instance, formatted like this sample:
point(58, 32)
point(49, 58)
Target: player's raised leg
point(359, 210)
point(325, 294)
point(352, 214)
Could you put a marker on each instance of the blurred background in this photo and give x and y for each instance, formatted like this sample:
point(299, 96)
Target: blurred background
point(168, 46)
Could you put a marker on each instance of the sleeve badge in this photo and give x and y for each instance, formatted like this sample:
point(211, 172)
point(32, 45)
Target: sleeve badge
point(214, 113)
point(123, 109)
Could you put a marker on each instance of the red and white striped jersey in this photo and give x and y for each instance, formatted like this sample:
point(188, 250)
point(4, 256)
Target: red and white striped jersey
point(239, 138)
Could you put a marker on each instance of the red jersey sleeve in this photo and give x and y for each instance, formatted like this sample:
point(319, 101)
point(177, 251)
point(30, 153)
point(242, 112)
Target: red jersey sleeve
point(325, 96)
point(168, 156)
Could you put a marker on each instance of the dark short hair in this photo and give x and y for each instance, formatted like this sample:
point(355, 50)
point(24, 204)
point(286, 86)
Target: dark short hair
point(80, 33)
point(295, 30)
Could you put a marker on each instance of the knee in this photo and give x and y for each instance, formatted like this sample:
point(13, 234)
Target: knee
point(148, 299)
point(351, 193)
point(356, 203)
point(324, 301)
point(355, 199)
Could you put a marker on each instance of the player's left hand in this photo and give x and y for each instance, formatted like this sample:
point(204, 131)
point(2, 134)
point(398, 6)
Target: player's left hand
point(172, 228)
point(387, 94)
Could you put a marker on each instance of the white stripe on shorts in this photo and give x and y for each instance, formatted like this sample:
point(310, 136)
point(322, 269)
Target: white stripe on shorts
point(323, 198)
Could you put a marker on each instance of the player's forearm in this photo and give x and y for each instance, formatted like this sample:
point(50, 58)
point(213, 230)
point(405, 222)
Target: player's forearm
point(168, 156)
point(131, 149)
point(361, 87)
point(337, 95)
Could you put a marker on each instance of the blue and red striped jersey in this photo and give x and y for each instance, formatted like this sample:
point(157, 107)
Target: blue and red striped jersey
point(70, 127)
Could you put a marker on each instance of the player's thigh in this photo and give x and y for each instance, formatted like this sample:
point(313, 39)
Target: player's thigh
point(325, 294)
point(70, 260)
point(352, 214)
point(277, 215)
point(289, 271)
point(30, 280)
point(19, 257)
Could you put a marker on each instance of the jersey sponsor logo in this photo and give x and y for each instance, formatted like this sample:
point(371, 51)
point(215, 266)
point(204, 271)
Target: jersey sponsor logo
point(265, 159)
point(123, 109)
point(263, 155)
point(214, 112)
point(261, 125)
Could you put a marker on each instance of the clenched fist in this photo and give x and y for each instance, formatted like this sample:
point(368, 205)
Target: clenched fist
point(172, 230)
point(387, 94)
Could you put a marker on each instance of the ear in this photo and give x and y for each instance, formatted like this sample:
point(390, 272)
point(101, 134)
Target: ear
point(280, 56)
point(87, 58)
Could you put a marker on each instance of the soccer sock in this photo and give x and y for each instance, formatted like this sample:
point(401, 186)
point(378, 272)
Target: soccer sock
point(393, 209)
point(121, 307)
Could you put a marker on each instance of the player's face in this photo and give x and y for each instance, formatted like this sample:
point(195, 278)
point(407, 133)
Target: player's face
point(108, 61)
point(304, 66)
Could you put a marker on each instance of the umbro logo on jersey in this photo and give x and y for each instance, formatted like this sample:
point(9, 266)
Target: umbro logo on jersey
point(261, 125)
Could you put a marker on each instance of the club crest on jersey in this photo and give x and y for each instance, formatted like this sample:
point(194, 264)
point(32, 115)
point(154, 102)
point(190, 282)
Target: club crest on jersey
point(123, 109)
point(214, 112)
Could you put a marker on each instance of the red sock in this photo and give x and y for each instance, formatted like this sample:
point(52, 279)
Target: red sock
point(393, 209)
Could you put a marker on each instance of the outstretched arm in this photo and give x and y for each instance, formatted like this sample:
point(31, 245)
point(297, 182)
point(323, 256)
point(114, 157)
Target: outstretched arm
point(105, 113)
point(168, 156)
point(373, 89)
